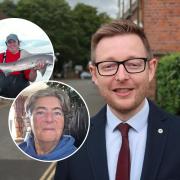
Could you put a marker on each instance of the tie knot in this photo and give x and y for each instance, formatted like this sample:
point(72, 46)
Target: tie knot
point(124, 129)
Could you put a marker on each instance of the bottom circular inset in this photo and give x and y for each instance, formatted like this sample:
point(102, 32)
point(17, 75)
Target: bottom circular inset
point(49, 121)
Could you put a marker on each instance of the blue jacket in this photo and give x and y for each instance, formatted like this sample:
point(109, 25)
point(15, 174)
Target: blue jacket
point(64, 148)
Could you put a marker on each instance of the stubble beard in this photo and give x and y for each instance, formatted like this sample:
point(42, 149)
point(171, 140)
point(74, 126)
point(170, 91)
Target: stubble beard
point(131, 108)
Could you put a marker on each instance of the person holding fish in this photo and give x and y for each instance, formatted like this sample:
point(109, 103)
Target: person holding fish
point(12, 83)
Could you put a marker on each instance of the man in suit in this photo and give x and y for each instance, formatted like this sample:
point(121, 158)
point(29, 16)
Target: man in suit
point(122, 68)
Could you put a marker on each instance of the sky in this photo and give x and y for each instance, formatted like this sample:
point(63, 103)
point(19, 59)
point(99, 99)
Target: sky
point(108, 6)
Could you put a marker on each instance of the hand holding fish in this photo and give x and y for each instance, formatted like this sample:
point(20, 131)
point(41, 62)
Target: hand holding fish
point(40, 65)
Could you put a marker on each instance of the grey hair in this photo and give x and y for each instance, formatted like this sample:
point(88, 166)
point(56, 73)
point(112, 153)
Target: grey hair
point(61, 95)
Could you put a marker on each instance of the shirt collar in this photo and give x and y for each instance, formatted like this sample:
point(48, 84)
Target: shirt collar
point(137, 122)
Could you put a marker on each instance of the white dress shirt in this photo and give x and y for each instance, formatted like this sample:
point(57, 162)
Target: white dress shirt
point(137, 141)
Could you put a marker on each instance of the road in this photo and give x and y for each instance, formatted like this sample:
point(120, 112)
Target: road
point(13, 163)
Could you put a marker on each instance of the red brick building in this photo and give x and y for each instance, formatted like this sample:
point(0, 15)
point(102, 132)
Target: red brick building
point(161, 22)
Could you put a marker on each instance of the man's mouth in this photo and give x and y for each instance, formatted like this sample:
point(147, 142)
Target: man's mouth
point(123, 91)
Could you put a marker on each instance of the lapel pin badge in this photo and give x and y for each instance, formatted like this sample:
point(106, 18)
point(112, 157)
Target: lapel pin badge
point(160, 131)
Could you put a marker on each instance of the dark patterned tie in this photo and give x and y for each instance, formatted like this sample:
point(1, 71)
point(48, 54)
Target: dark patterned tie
point(123, 165)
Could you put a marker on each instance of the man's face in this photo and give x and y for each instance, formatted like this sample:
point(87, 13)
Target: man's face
point(47, 121)
point(13, 46)
point(123, 92)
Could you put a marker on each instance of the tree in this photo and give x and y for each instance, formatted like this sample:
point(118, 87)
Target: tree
point(87, 22)
point(69, 30)
point(49, 14)
point(168, 80)
point(54, 17)
point(7, 8)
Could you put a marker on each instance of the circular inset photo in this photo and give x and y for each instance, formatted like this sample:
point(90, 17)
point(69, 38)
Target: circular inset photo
point(26, 56)
point(49, 121)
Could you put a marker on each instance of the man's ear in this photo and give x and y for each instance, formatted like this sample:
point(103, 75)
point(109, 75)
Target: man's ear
point(92, 70)
point(152, 68)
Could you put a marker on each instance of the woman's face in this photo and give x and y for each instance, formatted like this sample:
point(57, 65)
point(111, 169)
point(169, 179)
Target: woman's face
point(47, 120)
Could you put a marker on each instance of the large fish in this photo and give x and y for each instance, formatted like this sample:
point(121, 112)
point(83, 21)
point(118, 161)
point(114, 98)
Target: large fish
point(28, 62)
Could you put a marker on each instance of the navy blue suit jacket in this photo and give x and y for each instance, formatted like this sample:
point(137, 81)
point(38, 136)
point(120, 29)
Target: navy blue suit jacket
point(162, 153)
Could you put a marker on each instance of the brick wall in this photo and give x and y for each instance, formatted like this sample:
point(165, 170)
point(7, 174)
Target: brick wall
point(161, 19)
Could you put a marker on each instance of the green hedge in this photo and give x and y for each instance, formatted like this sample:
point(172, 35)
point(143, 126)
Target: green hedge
point(168, 83)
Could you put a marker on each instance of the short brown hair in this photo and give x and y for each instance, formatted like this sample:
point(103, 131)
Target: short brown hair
point(118, 27)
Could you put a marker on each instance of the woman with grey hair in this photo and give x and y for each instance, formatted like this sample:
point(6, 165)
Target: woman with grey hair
point(46, 110)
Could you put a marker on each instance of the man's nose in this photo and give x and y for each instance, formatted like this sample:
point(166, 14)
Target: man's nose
point(121, 74)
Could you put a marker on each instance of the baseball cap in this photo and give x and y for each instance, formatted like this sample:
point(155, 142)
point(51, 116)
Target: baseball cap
point(12, 37)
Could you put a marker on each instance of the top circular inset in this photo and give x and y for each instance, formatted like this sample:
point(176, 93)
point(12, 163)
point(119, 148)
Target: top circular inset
point(26, 56)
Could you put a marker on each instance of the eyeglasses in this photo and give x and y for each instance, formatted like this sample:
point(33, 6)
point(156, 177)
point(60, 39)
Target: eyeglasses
point(110, 68)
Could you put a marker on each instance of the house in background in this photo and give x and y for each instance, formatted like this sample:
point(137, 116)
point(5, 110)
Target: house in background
point(161, 23)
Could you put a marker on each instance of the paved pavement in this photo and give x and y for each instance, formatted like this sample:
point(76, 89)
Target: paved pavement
point(13, 163)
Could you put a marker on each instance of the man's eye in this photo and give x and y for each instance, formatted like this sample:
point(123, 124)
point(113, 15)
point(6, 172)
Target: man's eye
point(133, 65)
point(109, 66)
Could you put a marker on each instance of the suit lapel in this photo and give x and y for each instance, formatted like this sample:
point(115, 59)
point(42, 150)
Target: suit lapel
point(97, 146)
point(156, 140)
